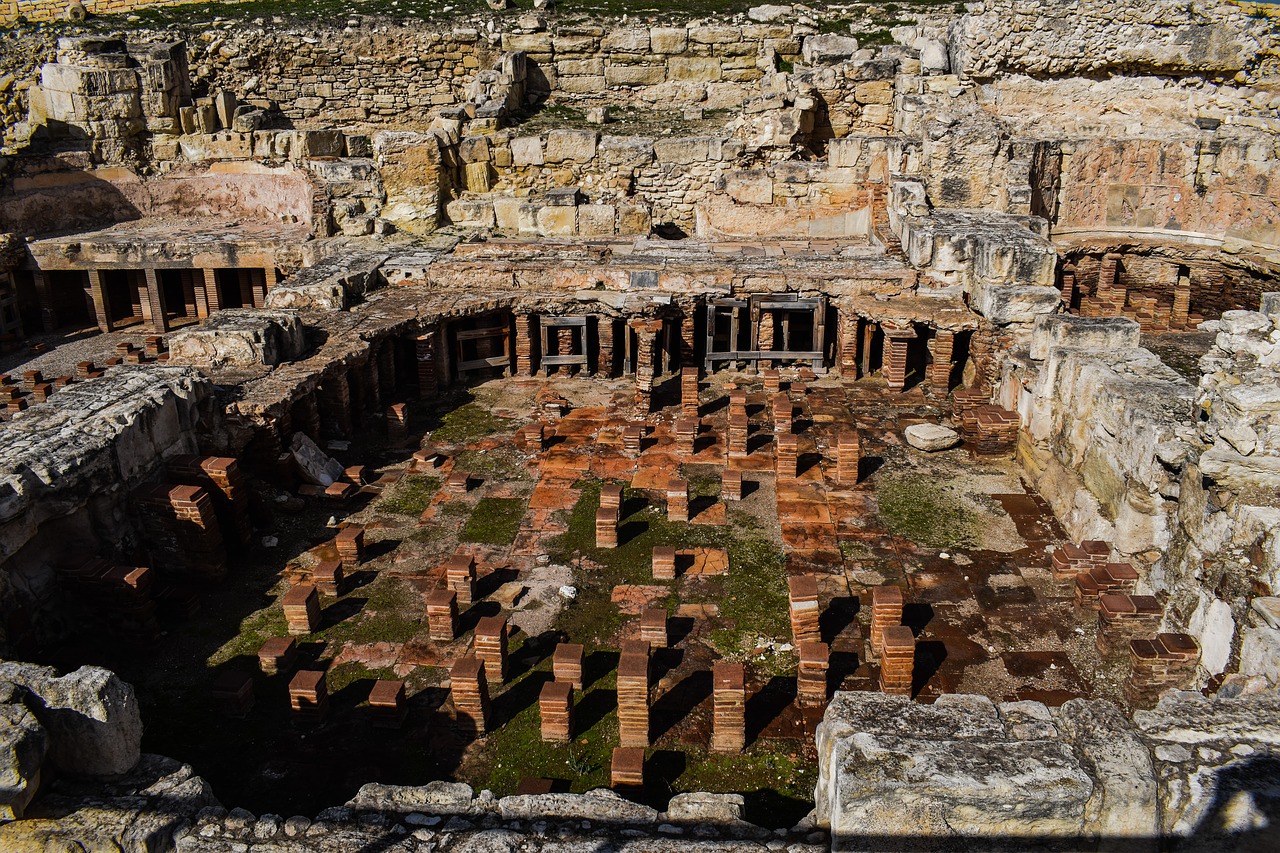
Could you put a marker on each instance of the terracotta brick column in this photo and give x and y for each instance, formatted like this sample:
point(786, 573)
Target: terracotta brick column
point(491, 647)
point(606, 527)
point(677, 499)
point(897, 343)
point(788, 446)
point(806, 611)
point(398, 423)
point(605, 353)
point(689, 391)
point(470, 692)
point(886, 612)
point(633, 700)
point(555, 708)
point(739, 429)
point(1180, 317)
point(848, 329)
point(664, 562)
point(98, 294)
point(811, 673)
point(1068, 284)
point(848, 457)
point(309, 696)
point(731, 486)
point(350, 544)
point(626, 769)
point(940, 369)
point(897, 660)
point(729, 703)
point(460, 576)
point(566, 664)
point(442, 615)
point(647, 348)
point(155, 299)
point(225, 484)
point(334, 399)
point(653, 627)
point(301, 605)
point(783, 412)
point(425, 346)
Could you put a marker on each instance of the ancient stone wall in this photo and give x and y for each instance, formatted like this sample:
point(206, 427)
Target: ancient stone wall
point(45, 10)
point(1069, 37)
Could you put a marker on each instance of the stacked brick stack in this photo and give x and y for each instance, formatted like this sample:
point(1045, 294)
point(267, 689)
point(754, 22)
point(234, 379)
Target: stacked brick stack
point(1070, 560)
point(387, 706)
point(731, 486)
point(848, 457)
point(729, 707)
point(328, 578)
point(309, 696)
point(182, 524)
point(886, 612)
point(398, 423)
point(806, 612)
point(799, 391)
point(633, 699)
point(566, 664)
point(738, 399)
point(1108, 578)
point(611, 497)
point(442, 615)
point(739, 427)
point(677, 500)
point(626, 770)
point(88, 370)
point(897, 660)
point(990, 430)
point(222, 480)
point(1123, 617)
point(233, 693)
point(689, 392)
point(457, 482)
point(811, 673)
point(788, 451)
point(302, 609)
point(277, 655)
point(534, 437)
point(664, 563)
point(154, 346)
point(1158, 664)
point(606, 527)
point(653, 627)
point(350, 544)
point(782, 413)
point(491, 647)
point(772, 381)
point(460, 576)
point(686, 434)
point(633, 439)
point(122, 594)
point(555, 705)
point(470, 692)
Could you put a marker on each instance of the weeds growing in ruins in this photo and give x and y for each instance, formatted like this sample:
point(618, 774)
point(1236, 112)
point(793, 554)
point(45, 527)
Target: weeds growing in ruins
point(467, 423)
point(411, 496)
point(925, 511)
point(494, 521)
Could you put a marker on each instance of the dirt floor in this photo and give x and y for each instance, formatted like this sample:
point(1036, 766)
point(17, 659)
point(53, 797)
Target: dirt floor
point(962, 536)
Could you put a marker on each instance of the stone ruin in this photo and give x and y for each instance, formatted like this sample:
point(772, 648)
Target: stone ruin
point(787, 430)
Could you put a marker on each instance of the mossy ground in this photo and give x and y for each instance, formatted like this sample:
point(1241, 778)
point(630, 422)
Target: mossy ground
point(494, 521)
point(925, 511)
point(410, 496)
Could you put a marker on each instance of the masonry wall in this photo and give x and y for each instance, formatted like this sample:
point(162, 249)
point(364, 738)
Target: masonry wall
point(44, 10)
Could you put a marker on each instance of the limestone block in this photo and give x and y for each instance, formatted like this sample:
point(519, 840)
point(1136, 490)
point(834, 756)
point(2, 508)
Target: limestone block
point(874, 92)
point(316, 297)
point(634, 220)
point(478, 177)
point(701, 69)
point(91, 717)
point(321, 143)
point(582, 85)
point(558, 221)
point(527, 42)
point(601, 806)
point(827, 49)
point(474, 149)
point(570, 44)
point(705, 808)
point(410, 167)
point(526, 151)
point(579, 67)
point(23, 745)
point(626, 41)
point(752, 187)
point(691, 149)
point(768, 13)
point(575, 146)
point(314, 464)
point(668, 39)
point(516, 215)
point(1260, 652)
point(596, 220)
point(1126, 792)
point(724, 96)
point(1069, 330)
point(715, 35)
point(630, 152)
point(931, 437)
point(634, 75)
point(240, 336)
point(470, 212)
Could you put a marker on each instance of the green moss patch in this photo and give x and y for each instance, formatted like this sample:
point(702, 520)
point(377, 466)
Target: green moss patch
point(410, 496)
point(494, 521)
point(926, 511)
point(469, 422)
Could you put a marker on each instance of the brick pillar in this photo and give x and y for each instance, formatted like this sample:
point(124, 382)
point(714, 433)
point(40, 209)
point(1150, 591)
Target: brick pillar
point(555, 709)
point(372, 383)
point(765, 337)
point(189, 306)
point(633, 439)
point(524, 344)
point(647, 348)
point(350, 544)
point(731, 486)
point(783, 411)
point(244, 278)
point(460, 576)
point(739, 427)
point(626, 769)
point(270, 277)
point(224, 482)
point(664, 563)
point(1068, 284)
point(306, 415)
point(184, 529)
point(428, 379)
point(677, 499)
point(848, 344)
point(301, 606)
point(211, 295)
point(806, 611)
point(729, 703)
point(1181, 302)
point(335, 405)
point(606, 528)
point(566, 664)
point(886, 612)
point(1109, 279)
point(897, 342)
point(1157, 664)
point(653, 627)
point(604, 335)
point(470, 692)
point(387, 366)
point(44, 297)
point(398, 423)
point(686, 338)
point(897, 660)
point(633, 699)
point(811, 673)
point(564, 346)
point(309, 696)
point(686, 435)
point(787, 451)
point(491, 647)
point(689, 391)
point(848, 457)
point(940, 369)
point(442, 615)
point(101, 301)
point(155, 298)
